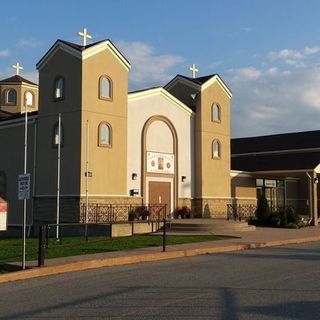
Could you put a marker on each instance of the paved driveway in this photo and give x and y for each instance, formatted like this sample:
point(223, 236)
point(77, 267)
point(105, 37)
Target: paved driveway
point(275, 283)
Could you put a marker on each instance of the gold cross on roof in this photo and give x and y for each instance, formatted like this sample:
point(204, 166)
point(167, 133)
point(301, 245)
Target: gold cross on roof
point(85, 36)
point(194, 69)
point(17, 67)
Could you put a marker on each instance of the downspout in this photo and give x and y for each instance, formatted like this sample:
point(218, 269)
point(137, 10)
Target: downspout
point(33, 173)
point(310, 195)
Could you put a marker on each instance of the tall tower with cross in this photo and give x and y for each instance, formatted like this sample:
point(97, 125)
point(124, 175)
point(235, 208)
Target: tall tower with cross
point(88, 86)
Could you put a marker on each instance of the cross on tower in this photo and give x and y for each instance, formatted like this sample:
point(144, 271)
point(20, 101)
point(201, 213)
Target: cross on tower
point(17, 67)
point(194, 69)
point(85, 36)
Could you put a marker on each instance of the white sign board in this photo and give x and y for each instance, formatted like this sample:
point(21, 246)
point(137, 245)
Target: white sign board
point(3, 215)
point(160, 162)
point(24, 186)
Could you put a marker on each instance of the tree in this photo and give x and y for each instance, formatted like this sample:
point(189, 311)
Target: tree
point(263, 210)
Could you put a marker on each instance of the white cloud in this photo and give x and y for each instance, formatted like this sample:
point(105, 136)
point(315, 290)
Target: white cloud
point(4, 53)
point(246, 29)
point(148, 68)
point(248, 73)
point(293, 57)
point(28, 43)
point(277, 101)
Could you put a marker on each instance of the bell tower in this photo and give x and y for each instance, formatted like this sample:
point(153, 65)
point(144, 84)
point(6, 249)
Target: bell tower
point(87, 85)
point(17, 91)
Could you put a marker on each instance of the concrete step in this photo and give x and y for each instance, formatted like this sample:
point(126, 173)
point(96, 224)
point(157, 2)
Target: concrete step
point(208, 225)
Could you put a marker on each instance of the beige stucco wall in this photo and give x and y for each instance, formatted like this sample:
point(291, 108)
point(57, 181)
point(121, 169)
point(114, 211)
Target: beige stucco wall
point(21, 89)
point(108, 165)
point(139, 111)
point(213, 175)
point(159, 138)
point(12, 163)
point(243, 186)
point(69, 67)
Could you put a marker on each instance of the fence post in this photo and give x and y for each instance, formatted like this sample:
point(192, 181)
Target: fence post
point(47, 236)
point(42, 245)
point(61, 233)
point(86, 231)
point(164, 235)
point(110, 230)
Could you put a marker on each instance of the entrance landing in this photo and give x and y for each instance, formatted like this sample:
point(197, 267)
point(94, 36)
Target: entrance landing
point(208, 226)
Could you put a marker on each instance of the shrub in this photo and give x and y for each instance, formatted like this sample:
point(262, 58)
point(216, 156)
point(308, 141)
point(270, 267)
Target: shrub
point(132, 215)
point(263, 210)
point(184, 212)
point(274, 219)
point(291, 225)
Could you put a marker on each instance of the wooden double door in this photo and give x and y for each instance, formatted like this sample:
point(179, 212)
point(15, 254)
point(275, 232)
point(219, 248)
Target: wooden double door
point(160, 193)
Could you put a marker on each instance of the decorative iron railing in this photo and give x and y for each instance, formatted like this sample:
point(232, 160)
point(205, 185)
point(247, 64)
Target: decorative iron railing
point(241, 211)
point(103, 213)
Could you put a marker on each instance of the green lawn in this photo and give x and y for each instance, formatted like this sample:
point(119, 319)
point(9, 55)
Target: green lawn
point(10, 249)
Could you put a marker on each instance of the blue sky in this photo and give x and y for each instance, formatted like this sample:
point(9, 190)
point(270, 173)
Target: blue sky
point(267, 51)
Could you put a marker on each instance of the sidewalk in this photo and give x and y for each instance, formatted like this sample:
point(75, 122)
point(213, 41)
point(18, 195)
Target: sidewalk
point(260, 238)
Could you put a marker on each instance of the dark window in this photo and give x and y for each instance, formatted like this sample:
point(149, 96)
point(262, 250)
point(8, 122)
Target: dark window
point(11, 97)
point(59, 89)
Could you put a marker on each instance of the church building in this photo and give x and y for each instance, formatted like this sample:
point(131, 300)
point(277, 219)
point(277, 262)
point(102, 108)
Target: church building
point(91, 144)
point(167, 145)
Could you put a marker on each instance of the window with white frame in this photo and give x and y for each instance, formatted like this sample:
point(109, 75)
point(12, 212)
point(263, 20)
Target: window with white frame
point(105, 88)
point(216, 149)
point(215, 113)
point(105, 134)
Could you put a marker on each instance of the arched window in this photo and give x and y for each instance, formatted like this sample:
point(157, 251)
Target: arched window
point(215, 113)
point(11, 97)
point(216, 149)
point(29, 98)
point(55, 137)
point(105, 134)
point(59, 89)
point(105, 88)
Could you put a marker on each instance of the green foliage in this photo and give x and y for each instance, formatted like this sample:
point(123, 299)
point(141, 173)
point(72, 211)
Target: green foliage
point(133, 215)
point(263, 210)
point(291, 225)
point(10, 248)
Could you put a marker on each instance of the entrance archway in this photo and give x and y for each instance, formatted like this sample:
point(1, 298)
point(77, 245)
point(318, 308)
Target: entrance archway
point(160, 162)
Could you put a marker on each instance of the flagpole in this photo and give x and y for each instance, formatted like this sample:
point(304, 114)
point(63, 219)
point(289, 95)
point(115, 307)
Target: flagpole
point(58, 177)
point(87, 179)
point(25, 172)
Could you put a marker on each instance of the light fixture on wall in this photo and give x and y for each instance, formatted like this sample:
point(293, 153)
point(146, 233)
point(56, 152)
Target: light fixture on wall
point(183, 178)
point(316, 180)
point(134, 176)
point(193, 96)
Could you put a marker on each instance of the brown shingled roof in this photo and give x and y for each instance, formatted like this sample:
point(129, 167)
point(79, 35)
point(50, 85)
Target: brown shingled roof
point(276, 162)
point(276, 142)
point(17, 79)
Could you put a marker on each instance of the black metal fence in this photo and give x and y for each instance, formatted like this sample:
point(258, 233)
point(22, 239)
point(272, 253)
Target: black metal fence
point(241, 211)
point(104, 213)
point(56, 231)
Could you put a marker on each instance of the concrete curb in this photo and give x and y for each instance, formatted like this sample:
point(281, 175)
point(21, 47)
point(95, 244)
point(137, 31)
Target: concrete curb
point(149, 257)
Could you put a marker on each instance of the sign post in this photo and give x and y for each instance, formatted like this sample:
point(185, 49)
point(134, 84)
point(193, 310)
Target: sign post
point(3, 215)
point(24, 186)
point(24, 194)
